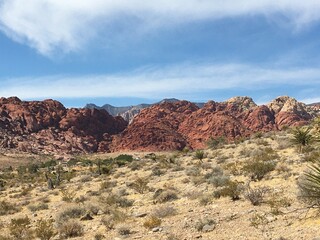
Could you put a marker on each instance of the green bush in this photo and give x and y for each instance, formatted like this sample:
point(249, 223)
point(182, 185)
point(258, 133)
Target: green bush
point(257, 169)
point(302, 137)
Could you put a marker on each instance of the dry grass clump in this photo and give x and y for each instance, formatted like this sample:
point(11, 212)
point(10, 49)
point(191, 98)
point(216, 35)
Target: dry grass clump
point(217, 177)
point(7, 208)
point(114, 217)
point(115, 200)
point(68, 195)
point(123, 230)
point(164, 211)
point(161, 196)
point(152, 222)
point(70, 212)
point(200, 224)
point(38, 207)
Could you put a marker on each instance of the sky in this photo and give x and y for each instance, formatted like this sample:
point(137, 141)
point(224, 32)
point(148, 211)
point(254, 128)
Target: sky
point(127, 52)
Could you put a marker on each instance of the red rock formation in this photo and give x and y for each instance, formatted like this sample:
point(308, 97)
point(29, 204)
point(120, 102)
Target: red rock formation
point(47, 126)
point(156, 128)
point(172, 126)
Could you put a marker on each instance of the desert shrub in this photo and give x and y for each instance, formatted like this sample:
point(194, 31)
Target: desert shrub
point(134, 166)
point(38, 207)
point(85, 178)
point(257, 220)
point(200, 155)
point(70, 212)
point(125, 157)
point(193, 171)
point(256, 196)
point(167, 195)
point(257, 169)
point(116, 200)
point(67, 195)
point(114, 217)
point(123, 230)
point(152, 222)
point(19, 229)
point(157, 171)
point(277, 201)
point(107, 185)
point(205, 199)
point(45, 230)
point(219, 181)
point(98, 236)
point(215, 142)
point(164, 211)
point(140, 185)
point(232, 189)
point(203, 222)
point(71, 229)
point(8, 208)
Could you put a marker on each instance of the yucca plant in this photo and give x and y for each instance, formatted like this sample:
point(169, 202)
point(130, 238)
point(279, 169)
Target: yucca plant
point(310, 186)
point(302, 137)
point(200, 155)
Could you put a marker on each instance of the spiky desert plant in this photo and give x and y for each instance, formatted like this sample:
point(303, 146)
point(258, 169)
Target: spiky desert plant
point(302, 137)
point(310, 185)
point(199, 155)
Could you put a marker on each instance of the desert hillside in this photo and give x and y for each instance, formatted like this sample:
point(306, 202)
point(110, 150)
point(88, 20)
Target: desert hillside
point(243, 190)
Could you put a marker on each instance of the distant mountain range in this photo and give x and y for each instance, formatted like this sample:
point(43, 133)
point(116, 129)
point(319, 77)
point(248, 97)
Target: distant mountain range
point(50, 128)
point(129, 112)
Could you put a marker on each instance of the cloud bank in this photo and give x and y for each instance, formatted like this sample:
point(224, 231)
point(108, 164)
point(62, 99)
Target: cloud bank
point(67, 26)
point(178, 81)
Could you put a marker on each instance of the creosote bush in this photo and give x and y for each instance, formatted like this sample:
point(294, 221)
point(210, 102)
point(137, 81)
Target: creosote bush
point(140, 185)
point(71, 229)
point(45, 230)
point(257, 169)
point(233, 190)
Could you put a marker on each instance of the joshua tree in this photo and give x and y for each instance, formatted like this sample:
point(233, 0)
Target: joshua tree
point(302, 137)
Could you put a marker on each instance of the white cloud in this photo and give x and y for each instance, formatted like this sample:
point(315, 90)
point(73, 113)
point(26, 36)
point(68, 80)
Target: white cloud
point(152, 82)
point(50, 25)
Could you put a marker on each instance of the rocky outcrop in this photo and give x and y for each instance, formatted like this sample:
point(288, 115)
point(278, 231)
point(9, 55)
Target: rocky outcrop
point(170, 126)
point(47, 126)
point(129, 112)
point(156, 128)
point(289, 112)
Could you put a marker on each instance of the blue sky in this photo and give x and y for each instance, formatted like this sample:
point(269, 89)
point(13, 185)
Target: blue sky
point(132, 51)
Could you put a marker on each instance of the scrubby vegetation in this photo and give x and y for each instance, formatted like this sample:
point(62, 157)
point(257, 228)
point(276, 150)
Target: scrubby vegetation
point(250, 185)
